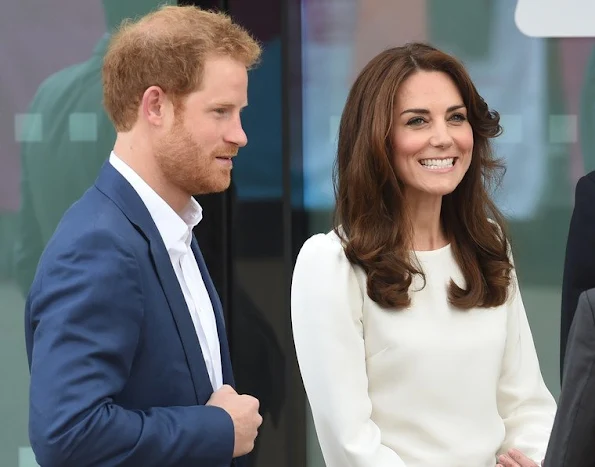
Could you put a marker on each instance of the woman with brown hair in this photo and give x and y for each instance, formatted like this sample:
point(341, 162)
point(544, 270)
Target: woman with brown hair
point(410, 331)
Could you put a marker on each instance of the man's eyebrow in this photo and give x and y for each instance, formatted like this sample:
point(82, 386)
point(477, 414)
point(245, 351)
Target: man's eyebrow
point(228, 105)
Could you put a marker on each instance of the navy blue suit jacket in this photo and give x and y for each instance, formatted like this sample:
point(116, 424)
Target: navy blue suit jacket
point(117, 373)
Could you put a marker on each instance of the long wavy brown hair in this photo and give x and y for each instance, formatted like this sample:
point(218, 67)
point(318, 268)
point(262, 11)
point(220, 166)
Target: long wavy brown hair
point(370, 214)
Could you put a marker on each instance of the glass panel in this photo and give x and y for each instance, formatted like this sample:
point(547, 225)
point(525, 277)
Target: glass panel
point(539, 85)
point(258, 293)
point(54, 137)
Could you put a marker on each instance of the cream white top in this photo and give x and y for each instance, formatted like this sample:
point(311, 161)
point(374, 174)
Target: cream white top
point(427, 386)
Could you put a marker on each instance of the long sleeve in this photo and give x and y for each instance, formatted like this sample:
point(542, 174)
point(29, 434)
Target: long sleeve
point(579, 265)
point(524, 402)
point(571, 443)
point(85, 316)
point(326, 313)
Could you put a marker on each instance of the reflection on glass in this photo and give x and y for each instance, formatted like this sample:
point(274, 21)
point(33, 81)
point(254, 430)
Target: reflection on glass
point(258, 293)
point(53, 146)
point(65, 137)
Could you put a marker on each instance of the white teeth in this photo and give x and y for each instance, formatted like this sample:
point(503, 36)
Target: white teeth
point(437, 163)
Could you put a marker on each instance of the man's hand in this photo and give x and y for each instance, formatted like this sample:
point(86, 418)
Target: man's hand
point(243, 410)
point(515, 458)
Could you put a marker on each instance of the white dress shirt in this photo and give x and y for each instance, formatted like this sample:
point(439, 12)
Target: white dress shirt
point(430, 385)
point(176, 232)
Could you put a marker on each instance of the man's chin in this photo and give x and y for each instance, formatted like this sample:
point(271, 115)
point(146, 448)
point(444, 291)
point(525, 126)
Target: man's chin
point(222, 186)
point(216, 187)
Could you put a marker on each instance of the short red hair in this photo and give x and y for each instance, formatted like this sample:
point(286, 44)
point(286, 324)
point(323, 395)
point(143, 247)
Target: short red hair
point(167, 48)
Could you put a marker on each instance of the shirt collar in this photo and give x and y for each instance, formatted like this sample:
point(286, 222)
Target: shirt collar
point(175, 230)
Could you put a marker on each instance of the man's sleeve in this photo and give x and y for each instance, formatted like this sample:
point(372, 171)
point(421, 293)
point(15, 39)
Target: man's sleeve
point(579, 266)
point(571, 442)
point(85, 315)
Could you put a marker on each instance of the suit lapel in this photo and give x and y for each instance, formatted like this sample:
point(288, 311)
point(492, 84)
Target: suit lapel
point(218, 310)
point(179, 309)
point(114, 185)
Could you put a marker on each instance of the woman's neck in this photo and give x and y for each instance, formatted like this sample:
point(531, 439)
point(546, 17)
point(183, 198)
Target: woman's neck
point(426, 225)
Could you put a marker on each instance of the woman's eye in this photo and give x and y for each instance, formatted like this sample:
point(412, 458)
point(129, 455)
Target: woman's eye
point(416, 121)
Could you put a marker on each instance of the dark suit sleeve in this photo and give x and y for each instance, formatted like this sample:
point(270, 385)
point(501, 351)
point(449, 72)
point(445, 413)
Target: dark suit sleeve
point(579, 267)
point(85, 317)
point(571, 443)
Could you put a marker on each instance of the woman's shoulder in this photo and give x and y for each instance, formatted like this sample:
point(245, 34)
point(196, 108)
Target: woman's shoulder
point(322, 268)
point(322, 251)
point(322, 244)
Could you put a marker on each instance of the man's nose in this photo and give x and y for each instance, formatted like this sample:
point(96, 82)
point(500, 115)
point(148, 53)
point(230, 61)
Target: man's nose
point(237, 135)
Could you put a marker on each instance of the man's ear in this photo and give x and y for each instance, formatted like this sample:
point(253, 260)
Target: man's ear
point(155, 106)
